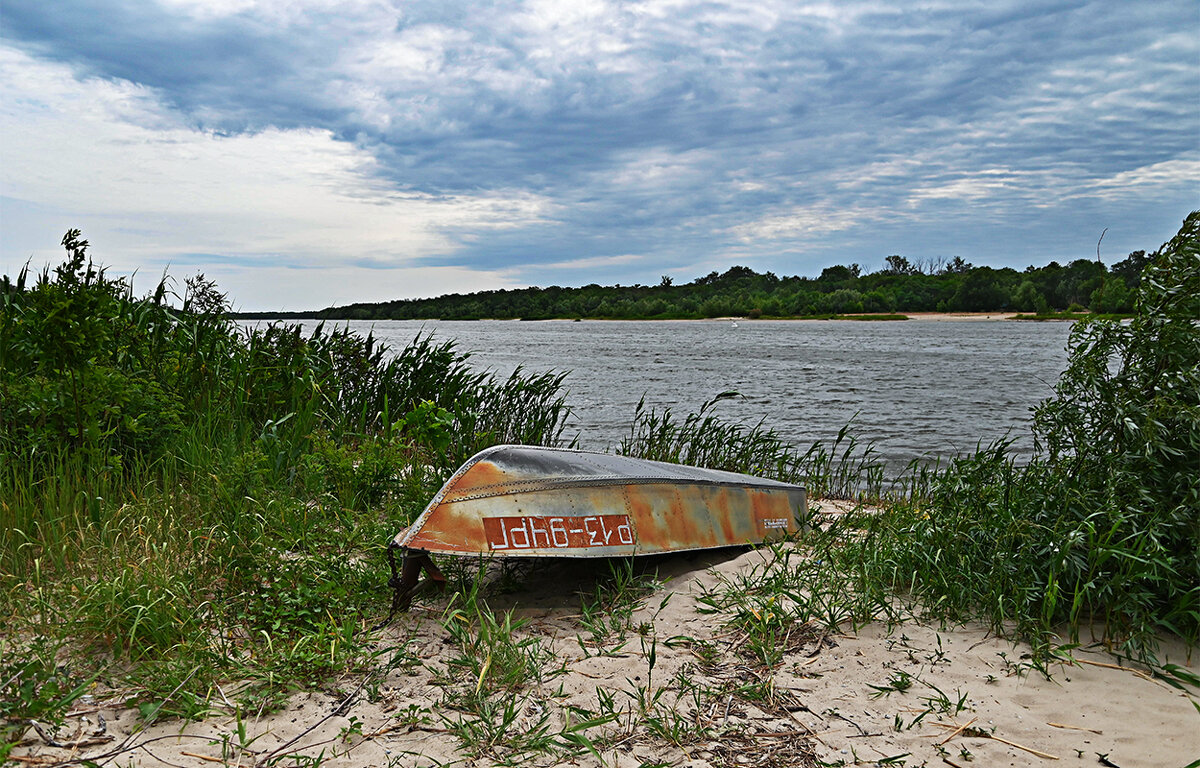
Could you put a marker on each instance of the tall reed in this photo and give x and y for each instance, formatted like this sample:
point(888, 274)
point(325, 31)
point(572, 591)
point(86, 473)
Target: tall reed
point(845, 468)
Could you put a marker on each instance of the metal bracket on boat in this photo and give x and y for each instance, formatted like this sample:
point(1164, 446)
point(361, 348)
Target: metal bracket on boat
point(406, 582)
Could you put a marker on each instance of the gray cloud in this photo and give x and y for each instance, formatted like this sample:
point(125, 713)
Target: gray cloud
point(777, 132)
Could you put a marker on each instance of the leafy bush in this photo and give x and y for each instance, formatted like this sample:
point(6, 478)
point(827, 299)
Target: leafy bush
point(1123, 435)
point(1104, 522)
point(76, 364)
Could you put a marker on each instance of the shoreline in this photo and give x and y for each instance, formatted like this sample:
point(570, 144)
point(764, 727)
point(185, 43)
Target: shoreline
point(855, 317)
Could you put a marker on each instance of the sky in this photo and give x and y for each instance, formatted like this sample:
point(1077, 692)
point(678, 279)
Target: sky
point(310, 153)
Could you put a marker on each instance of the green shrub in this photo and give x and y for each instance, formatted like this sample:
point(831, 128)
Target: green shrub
point(1123, 435)
point(358, 475)
point(1104, 523)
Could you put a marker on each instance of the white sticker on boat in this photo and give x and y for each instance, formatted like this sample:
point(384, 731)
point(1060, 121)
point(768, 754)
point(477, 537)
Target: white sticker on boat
point(541, 532)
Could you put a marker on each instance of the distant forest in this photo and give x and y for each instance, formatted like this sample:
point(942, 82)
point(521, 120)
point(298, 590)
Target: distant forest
point(901, 286)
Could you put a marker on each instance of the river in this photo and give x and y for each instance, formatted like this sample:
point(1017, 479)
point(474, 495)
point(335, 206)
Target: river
point(915, 388)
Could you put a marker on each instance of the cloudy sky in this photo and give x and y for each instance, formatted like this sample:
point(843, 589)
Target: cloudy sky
point(314, 152)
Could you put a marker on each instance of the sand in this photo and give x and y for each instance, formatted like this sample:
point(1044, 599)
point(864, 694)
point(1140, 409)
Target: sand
point(959, 316)
point(822, 704)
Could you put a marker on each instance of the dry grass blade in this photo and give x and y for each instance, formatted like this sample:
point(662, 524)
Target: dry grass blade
point(1076, 728)
point(958, 730)
point(206, 758)
point(975, 733)
point(1030, 750)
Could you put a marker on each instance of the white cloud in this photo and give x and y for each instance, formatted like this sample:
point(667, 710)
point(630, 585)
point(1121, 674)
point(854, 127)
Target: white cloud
point(276, 11)
point(1182, 171)
point(976, 185)
point(803, 223)
point(572, 30)
point(369, 133)
point(593, 262)
point(656, 169)
point(153, 189)
point(297, 289)
point(207, 9)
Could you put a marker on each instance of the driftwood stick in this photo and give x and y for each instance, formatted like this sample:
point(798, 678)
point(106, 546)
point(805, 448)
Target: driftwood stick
point(338, 710)
point(778, 734)
point(1030, 750)
point(958, 730)
point(1135, 671)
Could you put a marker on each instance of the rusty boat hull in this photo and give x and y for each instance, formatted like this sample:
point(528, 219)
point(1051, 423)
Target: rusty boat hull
point(526, 501)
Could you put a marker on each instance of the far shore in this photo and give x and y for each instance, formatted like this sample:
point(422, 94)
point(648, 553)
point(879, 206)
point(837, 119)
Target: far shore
point(860, 316)
point(944, 316)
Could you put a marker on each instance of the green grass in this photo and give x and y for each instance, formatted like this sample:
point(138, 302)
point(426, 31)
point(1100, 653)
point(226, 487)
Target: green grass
point(606, 613)
point(183, 503)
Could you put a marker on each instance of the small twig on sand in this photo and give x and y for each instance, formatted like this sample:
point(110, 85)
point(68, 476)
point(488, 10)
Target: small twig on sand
point(840, 716)
point(1030, 750)
point(1137, 672)
point(779, 735)
point(976, 645)
point(958, 730)
point(1075, 728)
point(208, 758)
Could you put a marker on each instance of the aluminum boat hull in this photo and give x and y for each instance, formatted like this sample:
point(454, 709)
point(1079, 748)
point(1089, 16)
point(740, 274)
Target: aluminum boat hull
point(525, 501)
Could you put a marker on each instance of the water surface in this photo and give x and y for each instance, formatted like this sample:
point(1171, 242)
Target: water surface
point(916, 387)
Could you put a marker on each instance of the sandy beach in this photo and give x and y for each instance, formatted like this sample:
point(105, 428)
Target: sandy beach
point(959, 316)
point(915, 695)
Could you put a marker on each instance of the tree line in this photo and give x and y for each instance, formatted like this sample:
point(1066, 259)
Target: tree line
point(900, 286)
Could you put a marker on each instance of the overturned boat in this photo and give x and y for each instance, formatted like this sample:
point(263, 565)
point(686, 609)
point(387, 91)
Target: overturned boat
point(527, 501)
